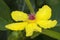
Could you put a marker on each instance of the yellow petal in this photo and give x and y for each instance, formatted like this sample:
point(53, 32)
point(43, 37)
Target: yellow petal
point(44, 13)
point(30, 28)
point(16, 26)
point(19, 16)
point(29, 31)
point(38, 29)
point(47, 24)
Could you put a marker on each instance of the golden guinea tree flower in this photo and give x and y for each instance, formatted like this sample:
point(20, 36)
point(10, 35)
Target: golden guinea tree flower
point(31, 21)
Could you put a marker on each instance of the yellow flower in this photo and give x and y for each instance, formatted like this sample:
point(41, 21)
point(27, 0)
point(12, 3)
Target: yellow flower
point(31, 21)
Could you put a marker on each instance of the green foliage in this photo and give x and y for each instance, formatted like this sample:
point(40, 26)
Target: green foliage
point(33, 6)
point(4, 11)
point(4, 15)
point(13, 36)
point(3, 23)
point(52, 34)
point(16, 35)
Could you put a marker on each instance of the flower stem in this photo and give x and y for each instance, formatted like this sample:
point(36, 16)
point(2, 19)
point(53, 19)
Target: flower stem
point(29, 6)
point(52, 34)
point(49, 33)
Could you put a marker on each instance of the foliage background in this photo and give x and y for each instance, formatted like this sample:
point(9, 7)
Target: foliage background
point(6, 6)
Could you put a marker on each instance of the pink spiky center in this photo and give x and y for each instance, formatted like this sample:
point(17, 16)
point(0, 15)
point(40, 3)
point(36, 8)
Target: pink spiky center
point(31, 16)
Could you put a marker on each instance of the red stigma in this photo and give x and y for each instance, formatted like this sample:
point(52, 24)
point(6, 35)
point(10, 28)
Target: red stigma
point(31, 16)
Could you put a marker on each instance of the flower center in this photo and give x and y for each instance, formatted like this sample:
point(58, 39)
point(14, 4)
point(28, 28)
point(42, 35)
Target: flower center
point(31, 16)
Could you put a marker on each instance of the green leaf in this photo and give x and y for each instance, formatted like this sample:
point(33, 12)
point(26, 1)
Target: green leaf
point(4, 11)
point(3, 22)
point(49, 33)
point(4, 15)
point(52, 34)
